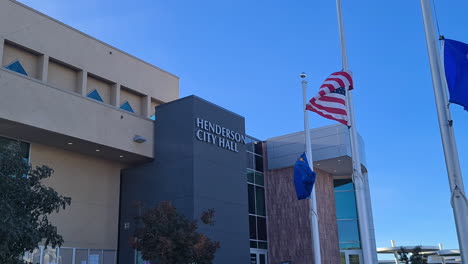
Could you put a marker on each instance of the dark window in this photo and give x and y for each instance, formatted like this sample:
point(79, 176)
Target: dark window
point(345, 203)
point(258, 163)
point(252, 227)
point(343, 185)
point(95, 95)
point(250, 176)
point(262, 259)
point(262, 230)
point(258, 148)
point(127, 107)
point(260, 200)
point(253, 244)
point(251, 199)
point(24, 147)
point(16, 67)
point(259, 179)
point(263, 245)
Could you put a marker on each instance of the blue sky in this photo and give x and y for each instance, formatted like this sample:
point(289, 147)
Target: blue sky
point(247, 55)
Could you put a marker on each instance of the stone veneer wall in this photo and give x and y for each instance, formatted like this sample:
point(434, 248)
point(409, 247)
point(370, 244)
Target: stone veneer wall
point(289, 236)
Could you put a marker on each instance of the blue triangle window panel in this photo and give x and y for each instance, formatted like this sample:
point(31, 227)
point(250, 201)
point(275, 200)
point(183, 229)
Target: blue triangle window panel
point(16, 67)
point(127, 107)
point(95, 95)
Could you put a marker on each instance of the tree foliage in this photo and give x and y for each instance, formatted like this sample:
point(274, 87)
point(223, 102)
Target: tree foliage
point(167, 237)
point(413, 256)
point(25, 204)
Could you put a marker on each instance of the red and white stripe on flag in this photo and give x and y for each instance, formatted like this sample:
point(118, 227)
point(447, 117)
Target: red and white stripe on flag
point(330, 102)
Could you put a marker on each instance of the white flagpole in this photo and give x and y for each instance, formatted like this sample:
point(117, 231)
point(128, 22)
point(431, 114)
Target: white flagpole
point(459, 200)
point(312, 201)
point(369, 251)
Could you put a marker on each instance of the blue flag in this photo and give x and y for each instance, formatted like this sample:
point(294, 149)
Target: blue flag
point(304, 178)
point(456, 71)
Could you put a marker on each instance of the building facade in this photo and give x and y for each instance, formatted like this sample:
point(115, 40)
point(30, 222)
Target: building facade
point(117, 134)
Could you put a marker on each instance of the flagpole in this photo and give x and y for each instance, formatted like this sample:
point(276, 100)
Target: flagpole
point(369, 251)
point(312, 200)
point(458, 200)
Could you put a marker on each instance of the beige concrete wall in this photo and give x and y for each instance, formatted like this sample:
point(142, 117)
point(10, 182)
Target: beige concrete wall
point(134, 99)
point(38, 32)
point(28, 60)
point(93, 184)
point(104, 88)
point(62, 77)
point(35, 104)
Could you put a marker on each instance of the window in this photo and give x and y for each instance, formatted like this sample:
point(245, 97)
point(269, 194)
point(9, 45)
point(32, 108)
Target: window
point(95, 95)
point(346, 214)
point(16, 67)
point(24, 147)
point(256, 194)
point(127, 107)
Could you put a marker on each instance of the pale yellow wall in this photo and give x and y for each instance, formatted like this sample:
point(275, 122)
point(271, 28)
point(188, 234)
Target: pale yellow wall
point(134, 99)
point(28, 60)
point(62, 77)
point(104, 88)
point(93, 184)
point(31, 29)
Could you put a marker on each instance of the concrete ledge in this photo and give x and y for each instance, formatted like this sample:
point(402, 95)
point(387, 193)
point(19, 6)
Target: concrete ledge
point(36, 105)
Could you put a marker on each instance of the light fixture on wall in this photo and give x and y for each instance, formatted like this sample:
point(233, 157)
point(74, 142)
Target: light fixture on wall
point(139, 139)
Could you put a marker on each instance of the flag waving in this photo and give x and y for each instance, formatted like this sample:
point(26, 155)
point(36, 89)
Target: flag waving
point(330, 102)
point(456, 71)
point(304, 177)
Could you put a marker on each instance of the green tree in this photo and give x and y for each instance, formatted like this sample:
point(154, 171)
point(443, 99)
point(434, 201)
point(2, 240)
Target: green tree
point(25, 204)
point(168, 237)
point(413, 256)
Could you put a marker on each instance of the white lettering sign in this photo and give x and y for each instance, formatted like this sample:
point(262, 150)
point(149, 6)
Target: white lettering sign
point(218, 135)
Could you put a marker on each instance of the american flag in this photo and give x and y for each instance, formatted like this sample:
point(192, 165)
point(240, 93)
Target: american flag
point(330, 102)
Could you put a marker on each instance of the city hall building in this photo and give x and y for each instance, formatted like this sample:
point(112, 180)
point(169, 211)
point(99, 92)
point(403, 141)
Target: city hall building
point(120, 138)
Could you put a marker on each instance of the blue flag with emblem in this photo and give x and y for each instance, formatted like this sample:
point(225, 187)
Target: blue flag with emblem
point(456, 71)
point(304, 178)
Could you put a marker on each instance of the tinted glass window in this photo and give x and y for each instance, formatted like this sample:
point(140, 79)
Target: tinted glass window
point(348, 231)
point(253, 244)
point(350, 246)
point(252, 227)
point(260, 200)
point(259, 179)
point(263, 259)
point(262, 230)
point(262, 245)
point(258, 148)
point(259, 163)
point(250, 176)
point(343, 185)
point(345, 205)
point(251, 199)
point(24, 147)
